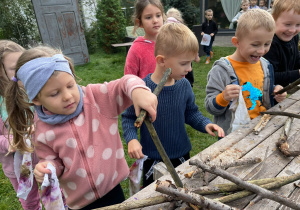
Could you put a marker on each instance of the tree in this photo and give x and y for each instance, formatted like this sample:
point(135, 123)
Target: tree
point(111, 23)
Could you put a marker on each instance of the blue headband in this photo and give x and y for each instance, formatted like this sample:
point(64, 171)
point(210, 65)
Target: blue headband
point(35, 73)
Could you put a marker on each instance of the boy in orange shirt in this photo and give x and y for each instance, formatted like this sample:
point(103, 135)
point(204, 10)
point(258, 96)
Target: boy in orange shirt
point(244, 70)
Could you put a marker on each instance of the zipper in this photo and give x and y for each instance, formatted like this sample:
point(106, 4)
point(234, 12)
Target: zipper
point(88, 171)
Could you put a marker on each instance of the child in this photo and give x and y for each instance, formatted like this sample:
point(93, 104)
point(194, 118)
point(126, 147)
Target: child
point(9, 54)
point(77, 127)
point(140, 60)
point(209, 27)
point(284, 52)
point(253, 4)
point(175, 16)
point(271, 5)
point(262, 5)
point(244, 6)
point(176, 48)
point(244, 70)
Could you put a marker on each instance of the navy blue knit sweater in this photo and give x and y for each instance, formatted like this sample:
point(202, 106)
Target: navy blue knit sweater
point(176, 106)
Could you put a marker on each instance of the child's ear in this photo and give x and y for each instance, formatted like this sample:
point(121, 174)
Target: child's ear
point(235, 41)
point(36, 102)
point(160, 60)
point(138, 22)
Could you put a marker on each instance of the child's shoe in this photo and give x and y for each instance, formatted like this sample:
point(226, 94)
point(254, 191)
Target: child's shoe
point(207, 60)
point(211, 54)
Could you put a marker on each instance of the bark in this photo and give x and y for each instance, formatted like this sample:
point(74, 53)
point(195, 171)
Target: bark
point(139, 121)
point(138, 203)
point(282, 143)
point(282, 113)
point(262, 123)
point(187, 196)
point(289, 87)
point(251, 187)
point(240, 162)
point(162, 152)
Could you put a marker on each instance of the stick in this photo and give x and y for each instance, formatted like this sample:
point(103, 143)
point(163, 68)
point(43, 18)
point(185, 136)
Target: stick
point(261, 124)
point(280, 181)
point(162, 152)
point(138, 203)
point(139, 121)
point(241, 162)
point(187, 196)
point(282, 143)
point(282, 113)
point(290, 86)
point(254, 188)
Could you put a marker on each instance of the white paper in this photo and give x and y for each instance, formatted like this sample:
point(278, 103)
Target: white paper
point(205, 39)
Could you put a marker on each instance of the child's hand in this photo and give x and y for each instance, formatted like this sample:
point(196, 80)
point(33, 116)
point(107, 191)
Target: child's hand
point(212, 34)
point(202, 33)
point(231, 92)
point(40, 170)
point(135, 149)
point(210, 128)
point(279, 97)
point(144, 99)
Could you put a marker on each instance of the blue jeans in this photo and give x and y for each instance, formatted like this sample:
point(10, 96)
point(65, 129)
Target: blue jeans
point(208, 48)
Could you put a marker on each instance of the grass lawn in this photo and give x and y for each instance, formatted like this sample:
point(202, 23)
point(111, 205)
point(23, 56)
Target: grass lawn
point(104, 67)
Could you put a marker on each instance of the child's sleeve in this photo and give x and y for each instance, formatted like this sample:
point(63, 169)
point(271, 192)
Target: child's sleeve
point(4, 144)
point(216, 83)
point(132, 64)
point(114, 97)
point(128, 119)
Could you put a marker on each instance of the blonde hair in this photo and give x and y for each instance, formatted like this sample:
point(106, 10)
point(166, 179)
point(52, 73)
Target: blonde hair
point(175, 13)
point(208, 10)
point(252, 20)
point(139, 6)
point(245, 2)
point(280, 6)
point(6, 47)
point(20, 116)
point(174, 39)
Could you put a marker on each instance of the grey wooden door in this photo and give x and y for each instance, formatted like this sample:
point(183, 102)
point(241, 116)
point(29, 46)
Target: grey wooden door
point(60, 26)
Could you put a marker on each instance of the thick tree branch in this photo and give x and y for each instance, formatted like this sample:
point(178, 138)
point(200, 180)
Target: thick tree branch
point(282, 113)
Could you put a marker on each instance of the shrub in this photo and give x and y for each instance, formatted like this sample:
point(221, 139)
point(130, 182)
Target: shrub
point(111, 23)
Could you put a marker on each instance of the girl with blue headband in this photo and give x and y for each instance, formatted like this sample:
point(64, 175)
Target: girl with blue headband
point(30, 199)
point(76, 127)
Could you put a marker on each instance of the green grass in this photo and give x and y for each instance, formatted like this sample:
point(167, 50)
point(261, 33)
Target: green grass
point(104, 67)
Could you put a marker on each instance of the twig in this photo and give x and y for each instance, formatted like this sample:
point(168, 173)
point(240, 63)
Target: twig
point(290, 86)
point(254, 188)
point(139, 121)
point(282, 143)
point(187, 196)
point(138, 203)
point(162, 152)
point(261, 124)
point(282, 113)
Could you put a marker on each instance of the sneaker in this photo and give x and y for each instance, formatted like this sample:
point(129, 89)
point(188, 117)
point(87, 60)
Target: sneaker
point(211, 54)
point(207, 60)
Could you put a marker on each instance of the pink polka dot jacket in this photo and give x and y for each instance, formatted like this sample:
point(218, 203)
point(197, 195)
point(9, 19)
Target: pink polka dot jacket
point(87, 150)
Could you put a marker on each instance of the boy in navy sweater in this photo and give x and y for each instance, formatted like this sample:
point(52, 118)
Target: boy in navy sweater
point(176, 47)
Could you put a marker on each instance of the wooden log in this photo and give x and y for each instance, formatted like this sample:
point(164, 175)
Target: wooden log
point(139, 121)
point(261, 124)
point(162, 152)
point(251, 187)
point(282, 143)
point(282, 113)
point(138, 203)
point(187, 196)
point(280, 181)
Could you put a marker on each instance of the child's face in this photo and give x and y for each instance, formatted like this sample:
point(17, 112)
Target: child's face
point(287, 25)
point(253, 45)
point(261, 3)
point(245, 6)
point(209, 15)
point(253, 2)
point(60, 94)
point(180, 64)
point(151, 20)
point(9, 63)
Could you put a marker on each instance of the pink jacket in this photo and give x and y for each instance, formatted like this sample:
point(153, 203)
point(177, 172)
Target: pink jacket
point(140, 60)
point(87, 151)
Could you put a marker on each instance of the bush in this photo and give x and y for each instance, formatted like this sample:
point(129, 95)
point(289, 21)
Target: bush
point(111, 23)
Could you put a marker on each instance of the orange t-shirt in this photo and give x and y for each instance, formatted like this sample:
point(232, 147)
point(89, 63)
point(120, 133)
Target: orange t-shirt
point(251, 77)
